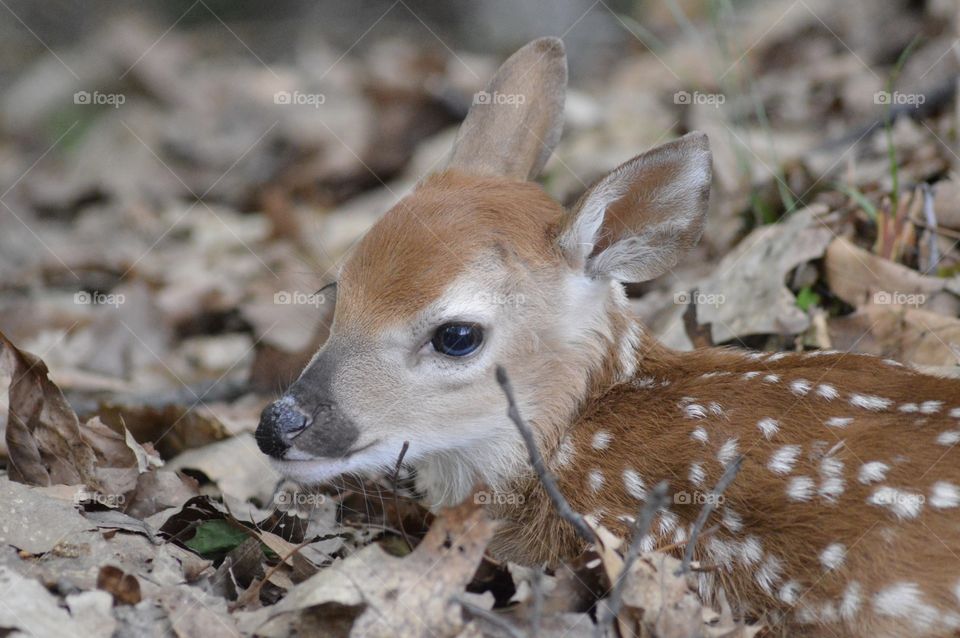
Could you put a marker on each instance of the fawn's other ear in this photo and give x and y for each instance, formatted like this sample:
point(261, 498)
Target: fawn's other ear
point(512, 127)
point(636, 223)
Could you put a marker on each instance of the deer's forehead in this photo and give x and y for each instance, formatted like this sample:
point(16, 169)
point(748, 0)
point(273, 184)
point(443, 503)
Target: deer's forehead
point(452, 233)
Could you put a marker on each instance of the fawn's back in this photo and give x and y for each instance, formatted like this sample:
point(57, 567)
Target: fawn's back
point(844, 516)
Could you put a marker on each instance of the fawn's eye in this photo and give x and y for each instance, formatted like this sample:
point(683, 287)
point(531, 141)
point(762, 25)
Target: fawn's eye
point(457, 339)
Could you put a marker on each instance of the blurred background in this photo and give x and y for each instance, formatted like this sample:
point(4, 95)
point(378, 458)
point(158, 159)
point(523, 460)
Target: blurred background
point(178, 178)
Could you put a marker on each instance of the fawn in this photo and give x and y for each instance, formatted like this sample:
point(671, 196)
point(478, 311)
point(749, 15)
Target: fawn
point(845, 516)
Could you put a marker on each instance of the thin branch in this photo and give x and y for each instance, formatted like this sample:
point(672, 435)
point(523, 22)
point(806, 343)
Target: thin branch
point(728, 475)
point(396, 498)
point(656, 502)
point(546, 478)
point(490, 616)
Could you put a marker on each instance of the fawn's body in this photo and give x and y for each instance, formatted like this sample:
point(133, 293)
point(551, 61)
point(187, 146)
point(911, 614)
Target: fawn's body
point(846, 512)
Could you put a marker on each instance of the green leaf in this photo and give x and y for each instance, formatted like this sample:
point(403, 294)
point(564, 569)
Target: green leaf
point(807, 298)
point(215, 538)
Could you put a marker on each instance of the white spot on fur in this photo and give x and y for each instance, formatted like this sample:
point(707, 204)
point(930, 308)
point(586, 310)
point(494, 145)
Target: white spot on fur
point(768, 574)
point(601, 439)
point(668, 521)
point(950, 437)
point(850, 603)
point(716, 408)
point(731, 520)
point(891, 362)
point(820, 353)
point(697, 476)
point(905, 600)
point(870, 402)
point(909, 408)
point(831, 473)
point(750, 375)
point(721, 552)
point(768, 427)
point(930, 407)
point(832, 556)
point(944, 495)
point(955, 413)
point(800, 488)
point(634, 485)
point(776, 356)
point(800, 387)
point(695, 411)
point(648, 543)
point(783, 460)
point(771, 378)
point(699, 434)
point(595, 479)
point(827, 391)
point(751, 551)
point(756, 356)
point(872, 472)
point(728, 451)
point(790, 592)
point(902, 503)
point(839, 421)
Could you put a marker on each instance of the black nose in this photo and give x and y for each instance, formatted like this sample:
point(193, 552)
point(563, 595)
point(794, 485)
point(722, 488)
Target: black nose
point(280, 423)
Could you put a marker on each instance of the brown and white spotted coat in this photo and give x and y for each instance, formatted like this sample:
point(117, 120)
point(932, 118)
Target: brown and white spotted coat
point(845, 516)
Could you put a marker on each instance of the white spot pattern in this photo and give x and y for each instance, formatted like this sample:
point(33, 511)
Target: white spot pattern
point(944, 495)
point(783, 460)
point(800, 488)
point(832, 556)
point(839, 421)
point(902, 503)
point(601, 440)
point(827, 391)
point(728, 451)
point(768, 427)
point(634, 484)
point(800, 387)
point(595, 480)
point(870, 402)
point(872, 472)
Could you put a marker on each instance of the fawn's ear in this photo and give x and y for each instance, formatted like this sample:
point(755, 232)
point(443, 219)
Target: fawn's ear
point(636, 223)
point(512, 127)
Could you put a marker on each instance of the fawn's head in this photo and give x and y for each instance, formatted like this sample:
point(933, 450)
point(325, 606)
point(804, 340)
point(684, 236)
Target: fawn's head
point(479, 267)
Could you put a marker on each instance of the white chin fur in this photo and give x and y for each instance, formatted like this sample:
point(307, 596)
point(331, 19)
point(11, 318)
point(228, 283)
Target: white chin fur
point(317, 470)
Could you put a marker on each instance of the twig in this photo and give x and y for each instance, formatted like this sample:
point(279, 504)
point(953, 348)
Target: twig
point(396, 498)
point(492, 617)
point(930, 216)
point(537, 592)
point(546, 478)
point(728, 475)
point(656, 502)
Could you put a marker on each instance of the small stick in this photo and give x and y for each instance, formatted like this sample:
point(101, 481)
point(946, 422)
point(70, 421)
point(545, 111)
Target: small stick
point(546, 479)
point(492, 617)
point(656, 502)
point(728, 475)
point(537, 586)
point(930, 216)
point(396, 498)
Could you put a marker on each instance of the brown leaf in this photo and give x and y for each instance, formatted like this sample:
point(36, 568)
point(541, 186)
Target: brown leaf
point(43, 434)
point(125, 588)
